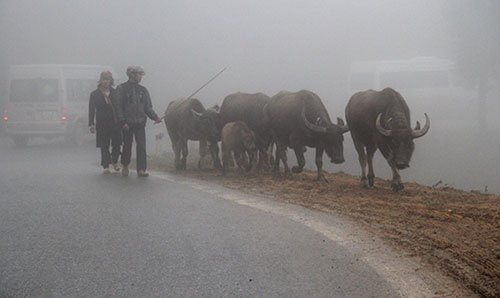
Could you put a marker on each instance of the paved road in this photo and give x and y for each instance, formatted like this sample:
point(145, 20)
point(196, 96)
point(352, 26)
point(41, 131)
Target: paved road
point(66, 230)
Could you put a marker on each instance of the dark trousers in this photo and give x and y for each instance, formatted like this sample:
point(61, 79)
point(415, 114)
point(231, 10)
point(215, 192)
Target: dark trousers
point(140, 150)
point(115, 138)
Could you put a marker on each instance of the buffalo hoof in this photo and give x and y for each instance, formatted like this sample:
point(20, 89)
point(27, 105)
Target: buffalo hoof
point(323, 179)
point(296, 169)
point(363, 183)
point(370, 181)
point(397, 187)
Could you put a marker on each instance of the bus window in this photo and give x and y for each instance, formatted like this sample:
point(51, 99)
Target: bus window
point(415, 80)
point(78, 90)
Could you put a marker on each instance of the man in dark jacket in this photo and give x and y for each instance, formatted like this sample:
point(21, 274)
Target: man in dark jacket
point(106, 123)
point(133, 106)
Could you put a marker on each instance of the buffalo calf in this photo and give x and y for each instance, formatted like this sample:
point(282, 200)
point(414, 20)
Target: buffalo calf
point(238, 139)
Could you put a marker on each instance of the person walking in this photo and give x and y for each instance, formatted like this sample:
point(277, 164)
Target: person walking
point(133, 106)
point(106, 124)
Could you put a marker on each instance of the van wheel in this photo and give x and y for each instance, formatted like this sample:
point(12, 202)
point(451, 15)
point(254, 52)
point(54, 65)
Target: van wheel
point(20, 141)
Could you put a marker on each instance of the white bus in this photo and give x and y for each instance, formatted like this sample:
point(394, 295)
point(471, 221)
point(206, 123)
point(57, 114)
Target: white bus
point(428, 84)
point(419, 77)
point(49, 100)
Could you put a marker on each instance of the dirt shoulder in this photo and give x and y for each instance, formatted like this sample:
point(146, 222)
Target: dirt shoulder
point(451, 231)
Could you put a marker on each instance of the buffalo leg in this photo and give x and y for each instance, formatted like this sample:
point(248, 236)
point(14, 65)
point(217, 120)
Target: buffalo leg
point(269, 152)
point(360, 148)
point(176, 146)
point(281, 155)
point(214, 151)
point(276, 160)
point(184, 148)
point(396, 184)
point(238, 157)
point(252, 155)
point(226, 156)
point(263, 162)
point(370, 151)
point(203, 152)
point(299, 153)
point(319, 165)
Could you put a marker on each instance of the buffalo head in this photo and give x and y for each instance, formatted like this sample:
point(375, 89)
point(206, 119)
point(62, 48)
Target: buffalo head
point(207, 123)
point(400, 137)
point(330, 136)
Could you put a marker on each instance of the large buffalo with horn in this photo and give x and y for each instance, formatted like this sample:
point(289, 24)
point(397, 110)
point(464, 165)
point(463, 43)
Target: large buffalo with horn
point(187, 119)
point(299, 119)
point(249, 109)
point(381, 119)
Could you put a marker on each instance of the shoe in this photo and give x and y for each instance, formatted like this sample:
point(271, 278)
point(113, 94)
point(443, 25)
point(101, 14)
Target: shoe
point(106, 171)
point(116, 167)
point(125, 171)
point(142, 173)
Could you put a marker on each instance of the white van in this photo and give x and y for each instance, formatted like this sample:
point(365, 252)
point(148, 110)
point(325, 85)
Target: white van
point(49, 101)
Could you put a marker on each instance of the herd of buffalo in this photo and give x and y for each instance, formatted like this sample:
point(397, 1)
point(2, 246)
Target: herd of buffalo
point(249, 125)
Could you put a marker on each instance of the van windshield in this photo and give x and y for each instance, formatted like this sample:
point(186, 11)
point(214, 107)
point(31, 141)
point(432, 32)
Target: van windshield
point(34, 90)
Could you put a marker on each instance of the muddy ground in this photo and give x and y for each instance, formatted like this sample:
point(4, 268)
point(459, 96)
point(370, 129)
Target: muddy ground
point(451, 231)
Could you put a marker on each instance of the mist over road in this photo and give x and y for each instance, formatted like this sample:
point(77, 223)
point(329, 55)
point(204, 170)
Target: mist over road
point(66, 230)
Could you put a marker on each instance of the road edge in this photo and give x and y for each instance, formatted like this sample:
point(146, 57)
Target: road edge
point(405, 274)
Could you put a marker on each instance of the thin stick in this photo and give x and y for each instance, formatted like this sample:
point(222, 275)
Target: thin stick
point(203, 86)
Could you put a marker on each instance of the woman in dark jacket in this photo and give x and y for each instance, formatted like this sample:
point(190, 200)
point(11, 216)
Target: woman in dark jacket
point(106, 125)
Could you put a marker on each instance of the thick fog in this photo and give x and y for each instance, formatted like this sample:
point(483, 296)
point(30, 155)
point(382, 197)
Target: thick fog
point(274, 45)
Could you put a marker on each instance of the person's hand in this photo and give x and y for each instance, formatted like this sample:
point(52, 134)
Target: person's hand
point(125, 127)
point(92, 129)
point(158, 120)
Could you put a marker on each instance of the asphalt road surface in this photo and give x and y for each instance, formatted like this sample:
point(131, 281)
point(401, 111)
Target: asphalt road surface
point(67, 230)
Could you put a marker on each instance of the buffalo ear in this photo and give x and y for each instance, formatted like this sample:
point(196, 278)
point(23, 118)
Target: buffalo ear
point(417, 127)
point(340, 122)
point(216, 108)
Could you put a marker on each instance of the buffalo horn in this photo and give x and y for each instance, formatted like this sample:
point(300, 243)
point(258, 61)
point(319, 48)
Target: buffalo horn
point(196, 113)
point(315, 128)
point(383, 131)
point(417, 133)
point(343, 128)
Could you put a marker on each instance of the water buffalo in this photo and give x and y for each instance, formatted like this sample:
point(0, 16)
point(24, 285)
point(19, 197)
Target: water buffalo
point(381, 119)
point(187, 119)
point(239, 139)
point(300, 119)
point(249, 109)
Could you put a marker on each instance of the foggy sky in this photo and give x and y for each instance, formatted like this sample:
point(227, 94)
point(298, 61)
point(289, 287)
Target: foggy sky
point(267, 46)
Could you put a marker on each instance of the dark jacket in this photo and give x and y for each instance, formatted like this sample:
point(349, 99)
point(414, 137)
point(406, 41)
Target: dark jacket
point(106, 121)
point(133, 104)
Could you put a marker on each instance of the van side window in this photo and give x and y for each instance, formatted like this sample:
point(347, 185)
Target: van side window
point(34, 90)
point(78, 90)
